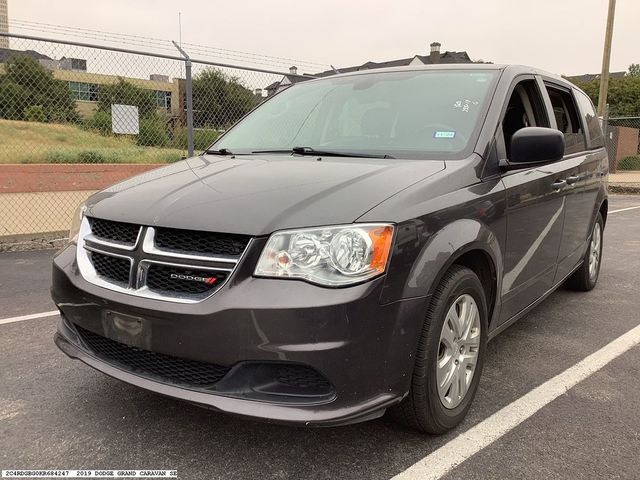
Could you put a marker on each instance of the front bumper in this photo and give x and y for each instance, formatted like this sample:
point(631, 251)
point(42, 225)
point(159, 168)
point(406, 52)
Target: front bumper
point(364, 349)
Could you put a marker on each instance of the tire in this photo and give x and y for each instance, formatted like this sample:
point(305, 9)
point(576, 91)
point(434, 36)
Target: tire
point(423, 409)
point(586, 277)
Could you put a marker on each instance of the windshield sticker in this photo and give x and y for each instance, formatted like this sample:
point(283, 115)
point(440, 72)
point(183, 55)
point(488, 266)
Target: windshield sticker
point(464, 105)
point(444, 134)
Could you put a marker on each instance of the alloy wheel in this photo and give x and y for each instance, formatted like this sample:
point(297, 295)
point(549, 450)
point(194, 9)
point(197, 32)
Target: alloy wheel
point(594, 251)
point(458, 351)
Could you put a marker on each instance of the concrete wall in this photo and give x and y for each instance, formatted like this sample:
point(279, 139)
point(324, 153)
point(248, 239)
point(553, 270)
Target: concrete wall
point(628, 141)
point(623, 141)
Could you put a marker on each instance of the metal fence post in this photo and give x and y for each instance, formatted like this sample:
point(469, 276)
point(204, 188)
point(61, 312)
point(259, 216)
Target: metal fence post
point(187, 67)
point(189, 108)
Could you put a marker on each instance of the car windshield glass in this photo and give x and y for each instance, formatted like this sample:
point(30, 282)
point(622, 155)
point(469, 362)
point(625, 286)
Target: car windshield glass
point(400, 114)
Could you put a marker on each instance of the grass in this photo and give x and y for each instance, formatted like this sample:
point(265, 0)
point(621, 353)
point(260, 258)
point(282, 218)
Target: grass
point(32, 142)
point(631, 162)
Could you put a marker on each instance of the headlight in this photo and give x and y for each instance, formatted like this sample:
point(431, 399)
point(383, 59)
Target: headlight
point(76, 221)
point(330, 256)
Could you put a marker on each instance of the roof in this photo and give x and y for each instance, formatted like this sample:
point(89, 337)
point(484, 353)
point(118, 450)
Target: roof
point(587, 77)
point(510, 70)
point(445, 58)
point(7, 53)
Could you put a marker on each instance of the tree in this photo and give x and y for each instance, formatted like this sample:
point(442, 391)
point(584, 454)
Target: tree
point(28, 84)
point(220, 100)
point(634, 70)
point(125, 93)
point(623, 96)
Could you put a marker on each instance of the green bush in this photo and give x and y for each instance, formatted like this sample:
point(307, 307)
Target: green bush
point(153, 132)
point(60, 156)
point(26, 84)
point(126, 93)
point(70, 156)
point(90, 156)
point(14, 99)
point(202, 138)
point(35, 113)
point(99, 122)
point(631, 162)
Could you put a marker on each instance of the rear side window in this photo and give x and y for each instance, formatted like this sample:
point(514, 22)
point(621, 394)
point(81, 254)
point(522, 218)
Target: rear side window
point(567, 119)
point(590, 120)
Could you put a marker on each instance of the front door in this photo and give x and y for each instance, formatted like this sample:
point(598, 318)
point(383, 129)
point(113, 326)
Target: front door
point(535, 208)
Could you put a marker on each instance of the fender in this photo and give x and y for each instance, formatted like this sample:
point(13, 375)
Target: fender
point(439, 251)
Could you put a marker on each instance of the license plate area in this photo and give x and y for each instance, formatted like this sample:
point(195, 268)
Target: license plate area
point(128, 329)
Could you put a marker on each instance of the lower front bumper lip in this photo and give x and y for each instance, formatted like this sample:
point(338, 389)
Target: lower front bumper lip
point(271, 412)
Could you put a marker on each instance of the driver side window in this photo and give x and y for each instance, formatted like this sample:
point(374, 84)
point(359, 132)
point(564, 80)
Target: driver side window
point(525, 109)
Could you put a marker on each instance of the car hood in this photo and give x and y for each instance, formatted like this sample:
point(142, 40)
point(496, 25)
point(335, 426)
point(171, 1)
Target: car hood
point(258, 194)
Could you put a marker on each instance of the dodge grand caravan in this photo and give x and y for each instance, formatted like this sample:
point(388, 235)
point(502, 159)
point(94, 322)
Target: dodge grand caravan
point(347, 248)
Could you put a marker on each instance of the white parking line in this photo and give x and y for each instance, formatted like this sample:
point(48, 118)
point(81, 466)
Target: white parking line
point(468, 443)
point(624, 209)
point(28, 317)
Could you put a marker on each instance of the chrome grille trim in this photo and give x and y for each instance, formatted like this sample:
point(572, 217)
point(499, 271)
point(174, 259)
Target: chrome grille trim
point(91, 238)
point(113, 243)
point(140, 262)
point(149, 246)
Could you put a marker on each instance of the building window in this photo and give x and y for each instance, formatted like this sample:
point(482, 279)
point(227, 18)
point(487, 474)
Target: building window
point(84, 91)
point(163, 99)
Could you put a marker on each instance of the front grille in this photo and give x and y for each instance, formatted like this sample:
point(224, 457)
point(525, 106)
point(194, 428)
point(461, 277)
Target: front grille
point(163, 367)
point(119, 232)
point(165, 278)
point(162, 263)
point(303, 377)
point(192, 241)
point(111, 268)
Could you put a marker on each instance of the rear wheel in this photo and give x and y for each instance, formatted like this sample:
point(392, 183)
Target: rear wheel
point(586, 277)
point(450, 355)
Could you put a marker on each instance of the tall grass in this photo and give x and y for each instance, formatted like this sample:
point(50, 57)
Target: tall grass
point(32, 142)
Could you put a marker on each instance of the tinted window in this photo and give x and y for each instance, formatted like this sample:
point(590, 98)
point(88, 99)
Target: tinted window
point(590, 120)
point(567, 119)
point(395, 113)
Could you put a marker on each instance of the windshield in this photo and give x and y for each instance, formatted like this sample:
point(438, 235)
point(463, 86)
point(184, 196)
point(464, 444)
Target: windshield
point(410, 114)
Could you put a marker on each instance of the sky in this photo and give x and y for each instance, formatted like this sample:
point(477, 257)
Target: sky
point(561, 36)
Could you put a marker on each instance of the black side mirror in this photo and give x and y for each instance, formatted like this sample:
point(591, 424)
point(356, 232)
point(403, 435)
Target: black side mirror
point(531, 146)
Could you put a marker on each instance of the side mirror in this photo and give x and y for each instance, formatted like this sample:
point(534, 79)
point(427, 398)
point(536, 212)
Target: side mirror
point(531, 146)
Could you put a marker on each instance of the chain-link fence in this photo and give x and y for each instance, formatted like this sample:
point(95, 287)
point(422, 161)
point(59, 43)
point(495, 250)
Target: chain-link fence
point(623, 143)
point(64, 102)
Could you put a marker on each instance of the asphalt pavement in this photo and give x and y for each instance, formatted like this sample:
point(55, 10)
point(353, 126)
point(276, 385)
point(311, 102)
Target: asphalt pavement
point(59, 413)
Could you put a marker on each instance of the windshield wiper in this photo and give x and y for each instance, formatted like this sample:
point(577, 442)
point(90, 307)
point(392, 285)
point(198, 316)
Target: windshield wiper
point(222, 151)
point(324, 153)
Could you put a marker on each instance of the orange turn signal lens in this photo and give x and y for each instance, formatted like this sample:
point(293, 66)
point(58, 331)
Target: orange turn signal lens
point(381, 245)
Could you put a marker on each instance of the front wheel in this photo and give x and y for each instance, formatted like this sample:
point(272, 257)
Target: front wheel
point(450, 355)
point(586, 277)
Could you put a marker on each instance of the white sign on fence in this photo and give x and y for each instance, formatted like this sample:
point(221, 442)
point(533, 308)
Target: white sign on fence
point(124, 119)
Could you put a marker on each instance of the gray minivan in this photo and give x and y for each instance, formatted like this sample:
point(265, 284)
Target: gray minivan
point(348, 247)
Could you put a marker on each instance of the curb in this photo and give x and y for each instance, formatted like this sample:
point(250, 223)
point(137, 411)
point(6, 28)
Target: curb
point(625, 188)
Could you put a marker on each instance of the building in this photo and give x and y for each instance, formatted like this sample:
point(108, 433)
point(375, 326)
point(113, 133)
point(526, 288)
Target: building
point(434, 57)
point(85, 85)
point(4, 23)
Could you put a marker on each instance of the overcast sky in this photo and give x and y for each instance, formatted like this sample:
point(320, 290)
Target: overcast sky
point(562, 36)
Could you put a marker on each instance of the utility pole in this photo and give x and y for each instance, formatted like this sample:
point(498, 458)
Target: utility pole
point(606, 59)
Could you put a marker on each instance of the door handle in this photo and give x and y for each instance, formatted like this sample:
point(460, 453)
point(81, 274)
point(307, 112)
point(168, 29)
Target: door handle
point(559, 185)
point(573, 179)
